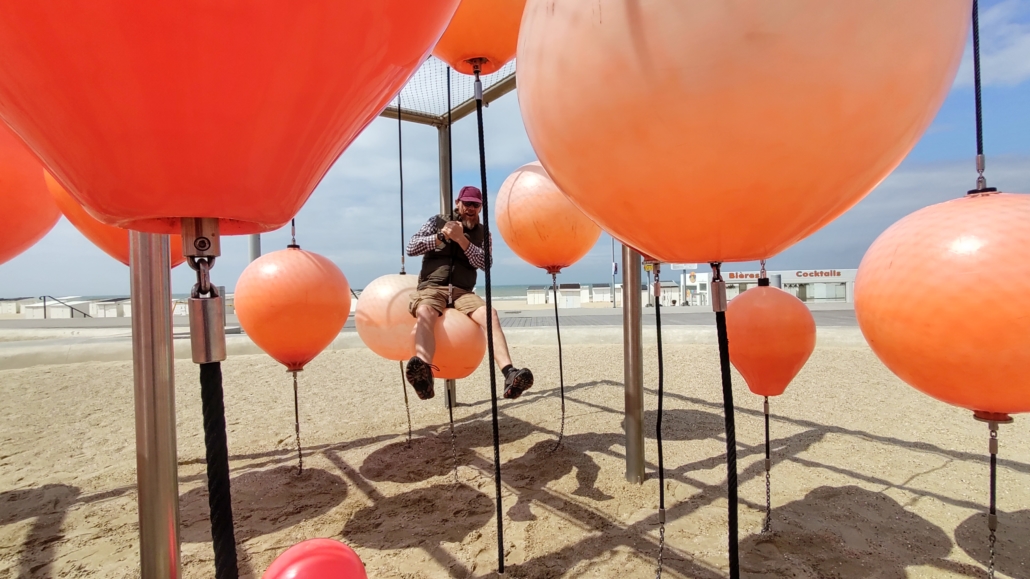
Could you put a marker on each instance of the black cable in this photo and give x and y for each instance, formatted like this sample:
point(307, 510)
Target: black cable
point(296, 425)
point(976, 78)
point(400, 166)
point(489, 323)
point(731, 438)
point(561, 371)
point(219, 497)
point(450, 156)
point(658, 431)
point(767, 525)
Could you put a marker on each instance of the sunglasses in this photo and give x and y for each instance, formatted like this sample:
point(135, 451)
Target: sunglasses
point(471, 204)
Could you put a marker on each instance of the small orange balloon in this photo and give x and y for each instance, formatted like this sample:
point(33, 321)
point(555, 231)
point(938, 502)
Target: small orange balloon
point(539, 223)
point(487, 29)
point(292, 303)
point(460, 345)
point(700, 131)
point(967, 348)
point(771, 336)
point(27, 212)
point(114, 241)
point(382, 318)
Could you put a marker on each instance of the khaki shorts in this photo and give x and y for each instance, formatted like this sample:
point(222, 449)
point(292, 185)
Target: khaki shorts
point(435, 297)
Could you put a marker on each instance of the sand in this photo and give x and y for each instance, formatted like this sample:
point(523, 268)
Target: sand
point(870, 478)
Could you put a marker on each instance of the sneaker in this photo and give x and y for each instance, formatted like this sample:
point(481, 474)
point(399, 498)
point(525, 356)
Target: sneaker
point(516, 382)
point(420, 376)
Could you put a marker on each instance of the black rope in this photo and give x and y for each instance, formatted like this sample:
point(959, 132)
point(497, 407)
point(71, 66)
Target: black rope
point(407, 408)
point(454, 446)
point(296, 425)
point(561, 371)
point(400, 166)
point(976, 78)
point(489, 323)
point(658, 430)
point(731, 434)
point(450, 156)
point(219, 494)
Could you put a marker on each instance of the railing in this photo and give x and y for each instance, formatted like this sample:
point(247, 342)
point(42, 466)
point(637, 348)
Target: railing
point(44, 298)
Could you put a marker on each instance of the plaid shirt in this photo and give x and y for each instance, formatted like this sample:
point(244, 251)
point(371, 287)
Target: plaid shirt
point(425, 241)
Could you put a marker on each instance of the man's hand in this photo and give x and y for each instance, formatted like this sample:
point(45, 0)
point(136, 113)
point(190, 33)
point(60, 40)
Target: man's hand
point(453, 230)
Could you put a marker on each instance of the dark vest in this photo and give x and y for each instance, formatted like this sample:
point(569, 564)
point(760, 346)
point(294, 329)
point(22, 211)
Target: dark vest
point(450, 265)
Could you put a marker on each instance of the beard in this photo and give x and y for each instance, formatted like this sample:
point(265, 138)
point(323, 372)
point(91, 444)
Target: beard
point(469, 222)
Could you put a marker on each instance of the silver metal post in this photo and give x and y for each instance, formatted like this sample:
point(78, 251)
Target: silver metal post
point(613, 273)
point(633, 356)
point(446, 206)
point(157, 476)
point(255, 246)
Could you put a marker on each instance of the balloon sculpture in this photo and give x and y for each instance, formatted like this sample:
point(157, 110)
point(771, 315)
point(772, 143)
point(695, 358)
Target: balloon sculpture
point(460, 345)
point(481, 29)
point(773, 334)
point(546, 230)
point(204, 118)
point(114, 241)
point(779, 117)
point(292, 303)
point(28, 211)
point(317, 559)
point(382, 318)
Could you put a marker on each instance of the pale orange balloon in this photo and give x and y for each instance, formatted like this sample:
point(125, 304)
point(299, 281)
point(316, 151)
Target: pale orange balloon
point(701, 131)
point(539, 223)
point(382, 318)
point(487, 29)
point(771, 335)
point(460, 345)
point(27, 212)
point(114, 241)
point(292, 303)
point(942, 298)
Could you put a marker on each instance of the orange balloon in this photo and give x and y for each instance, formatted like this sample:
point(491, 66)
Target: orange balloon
point(487, 29)
point(382, 318)
point(292, 303)
point(771, 336)
point(702, 131)
point(27, 212)
point(539, 223)
point(970, 349)
point(114, 241)
point(153, 111)
point(460, 345)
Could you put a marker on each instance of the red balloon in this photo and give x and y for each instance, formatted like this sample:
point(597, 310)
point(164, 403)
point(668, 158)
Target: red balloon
point(382, 318)
point(317, 559)
point(27, 212)
point(487, 29)
point(539, 223)
point(971, 349)
point(700, 130)
point(771, 334)
point(114, 241)
point(292, 303)
point(153, 111)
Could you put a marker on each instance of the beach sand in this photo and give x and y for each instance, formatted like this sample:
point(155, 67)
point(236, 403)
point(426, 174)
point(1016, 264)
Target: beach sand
point(870, 478)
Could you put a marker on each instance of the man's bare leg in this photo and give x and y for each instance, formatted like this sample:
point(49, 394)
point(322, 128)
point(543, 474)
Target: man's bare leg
point(425, 341)
point(501, 354)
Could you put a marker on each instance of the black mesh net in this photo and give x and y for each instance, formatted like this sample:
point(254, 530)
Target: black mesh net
point(426, 92)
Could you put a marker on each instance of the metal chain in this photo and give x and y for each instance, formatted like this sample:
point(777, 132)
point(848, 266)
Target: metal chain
point(454, 447)
point(992, 516)
point(296, 425)
point(661, 549)
point(202, 265)
point(407, 408)
point(767, 525)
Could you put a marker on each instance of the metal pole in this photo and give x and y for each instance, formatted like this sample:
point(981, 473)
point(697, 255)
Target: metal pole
point(613, 272)
point(157, 477)
point(633, 358)
point(255, 246)
point(446, 204)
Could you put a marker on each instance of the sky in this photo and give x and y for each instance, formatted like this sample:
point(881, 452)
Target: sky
point(353, 217)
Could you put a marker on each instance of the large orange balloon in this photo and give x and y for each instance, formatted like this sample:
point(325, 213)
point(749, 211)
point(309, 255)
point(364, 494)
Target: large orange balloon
point(382, 317)
point(970, 348)
point(317, 559)
point(114, 241)
point(152, 111)
point(701, 131)
point(487, 29)
point(771, 336)
point(27, 212)
point(539, 223)
point(460, 345)
point(292, 303)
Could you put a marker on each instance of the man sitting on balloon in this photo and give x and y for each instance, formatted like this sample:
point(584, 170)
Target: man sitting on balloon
point(452, 247)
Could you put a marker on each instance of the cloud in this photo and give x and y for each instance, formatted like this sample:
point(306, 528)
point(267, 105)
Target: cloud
point(1004, 46)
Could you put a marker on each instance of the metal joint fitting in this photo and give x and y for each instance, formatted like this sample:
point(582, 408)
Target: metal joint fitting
point(768, 464)
point(719, 296)
point(661, 516)
point(992, 522)
point(766, 405)
point(201, 244)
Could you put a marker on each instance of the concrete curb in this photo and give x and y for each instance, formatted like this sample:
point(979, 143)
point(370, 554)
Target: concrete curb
point(14, 355)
